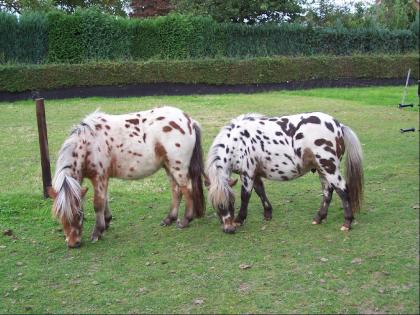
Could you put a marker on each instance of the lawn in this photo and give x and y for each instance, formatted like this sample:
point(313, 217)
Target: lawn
point(140, 266)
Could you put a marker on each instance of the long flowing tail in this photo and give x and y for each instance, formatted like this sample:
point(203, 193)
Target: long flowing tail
point(196, 171)
point(354, 168)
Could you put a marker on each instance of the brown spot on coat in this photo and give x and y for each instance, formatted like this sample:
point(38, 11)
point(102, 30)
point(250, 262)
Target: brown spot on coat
point(320, 142)
point(176, 126)
point(166, 129)
point(329, 126)
point(160, 118)
point(339, 143)
point(189, 122)
point(309, 160)
point(177, 145)
point(98, 126)
point(328, 165)
point(161, 153)
point(133, 121)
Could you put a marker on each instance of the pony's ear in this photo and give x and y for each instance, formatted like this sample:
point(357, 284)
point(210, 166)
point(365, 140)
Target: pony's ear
point(83, 191)
point(51, 192)
point(232, 182)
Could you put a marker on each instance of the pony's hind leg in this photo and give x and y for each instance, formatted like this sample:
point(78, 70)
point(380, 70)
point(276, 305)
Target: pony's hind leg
point(176, 200)
point(259, 189)
point(189, 210)
point(99, 204)
point(327, 192)
point(337, 182)
point(108, 214)
point(342, 191)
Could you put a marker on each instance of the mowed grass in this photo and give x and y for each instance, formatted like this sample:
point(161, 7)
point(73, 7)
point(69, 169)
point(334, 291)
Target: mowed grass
point(141, 267)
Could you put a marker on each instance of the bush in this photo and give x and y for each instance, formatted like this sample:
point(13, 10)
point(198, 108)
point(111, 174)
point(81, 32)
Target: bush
point(88, 35)
point(32, 38)
point(15, 78)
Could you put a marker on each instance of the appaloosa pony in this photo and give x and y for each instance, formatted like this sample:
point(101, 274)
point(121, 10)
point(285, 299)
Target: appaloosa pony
point(129, 146)
point(283, 148)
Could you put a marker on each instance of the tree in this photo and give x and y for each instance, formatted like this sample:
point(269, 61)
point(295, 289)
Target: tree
point(19, 6)
point(396, 14)
point(114, 7)
point(242, 11)
point(145, 8)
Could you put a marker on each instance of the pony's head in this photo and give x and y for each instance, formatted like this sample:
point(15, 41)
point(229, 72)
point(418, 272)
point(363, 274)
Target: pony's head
point(68, 208)
point(222, 199)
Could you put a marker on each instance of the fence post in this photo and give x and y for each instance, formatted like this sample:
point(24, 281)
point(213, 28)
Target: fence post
point(43, 145)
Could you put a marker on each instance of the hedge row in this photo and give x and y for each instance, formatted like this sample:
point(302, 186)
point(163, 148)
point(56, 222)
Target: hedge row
point(89, 35)
point(17, 78)
point(23, 40)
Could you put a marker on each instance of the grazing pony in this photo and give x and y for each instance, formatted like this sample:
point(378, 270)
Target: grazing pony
point(283, 148)
point(129, 146)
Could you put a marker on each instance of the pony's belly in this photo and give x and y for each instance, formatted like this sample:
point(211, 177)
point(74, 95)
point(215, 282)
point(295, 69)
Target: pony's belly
point(136, 167)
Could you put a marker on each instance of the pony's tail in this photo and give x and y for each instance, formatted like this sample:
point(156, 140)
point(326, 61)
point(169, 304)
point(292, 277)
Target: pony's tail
point(354, 168)
point(195, 172)
point(68, 196)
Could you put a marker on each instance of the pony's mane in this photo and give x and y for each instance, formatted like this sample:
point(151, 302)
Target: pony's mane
point(247, 116)
point(68, 200)
point(88, 123)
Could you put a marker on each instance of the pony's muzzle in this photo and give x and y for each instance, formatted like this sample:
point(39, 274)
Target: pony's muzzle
point(230, 229)
point(76, 244)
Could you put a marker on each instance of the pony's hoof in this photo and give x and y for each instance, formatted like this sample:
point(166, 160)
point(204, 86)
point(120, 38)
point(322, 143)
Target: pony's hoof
point(95, 238)
point(181, 224)
point(167, 222)
point(268, 216)
point(344, 228)
point(315, 222)
point(238, 222)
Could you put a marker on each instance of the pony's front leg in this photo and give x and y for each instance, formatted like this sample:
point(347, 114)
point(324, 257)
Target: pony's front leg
point(99, 204)
point(259, 189)
point(246, 190)
point(176, 200)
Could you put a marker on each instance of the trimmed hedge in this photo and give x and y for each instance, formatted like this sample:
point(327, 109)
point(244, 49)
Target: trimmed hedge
point(23, 40)
point(17, 78)
point(88, 35)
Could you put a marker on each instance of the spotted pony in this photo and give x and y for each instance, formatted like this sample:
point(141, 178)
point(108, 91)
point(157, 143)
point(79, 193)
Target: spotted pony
point(282, 149)
point(130, 146)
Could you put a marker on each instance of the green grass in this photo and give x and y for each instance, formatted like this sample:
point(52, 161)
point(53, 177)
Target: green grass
point(141, 267)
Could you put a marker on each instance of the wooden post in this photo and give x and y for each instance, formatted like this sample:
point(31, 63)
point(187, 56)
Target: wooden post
point(43, 145)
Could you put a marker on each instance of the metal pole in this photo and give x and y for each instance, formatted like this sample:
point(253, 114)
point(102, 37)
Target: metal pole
point(406, 85)
point(43, 145)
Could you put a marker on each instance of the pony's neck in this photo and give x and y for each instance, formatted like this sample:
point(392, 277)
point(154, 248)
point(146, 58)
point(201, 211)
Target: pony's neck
point(71, 157)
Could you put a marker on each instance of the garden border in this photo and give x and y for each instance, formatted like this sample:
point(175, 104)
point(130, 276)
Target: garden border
point(160, 89)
